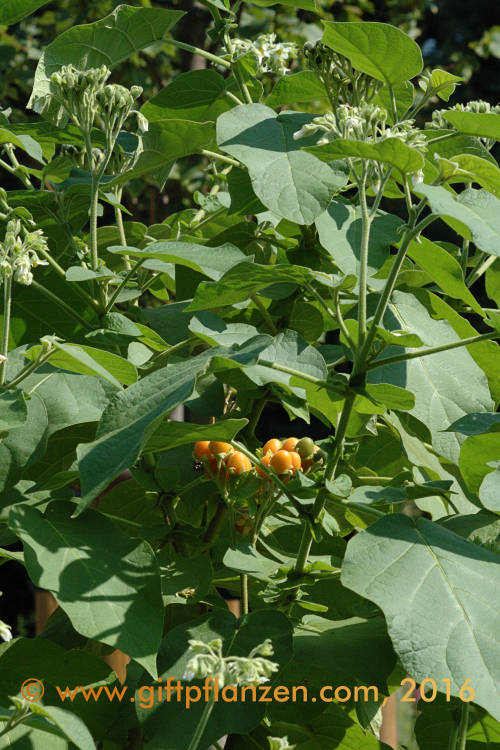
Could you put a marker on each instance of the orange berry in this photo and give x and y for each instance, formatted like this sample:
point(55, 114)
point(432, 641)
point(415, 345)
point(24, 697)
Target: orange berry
point(296, 461)
point(218, 448)
point(281, 462)
point(238, 463)
point(266, 460)
point(202, 450)
point(290, 443)
point(272, 446)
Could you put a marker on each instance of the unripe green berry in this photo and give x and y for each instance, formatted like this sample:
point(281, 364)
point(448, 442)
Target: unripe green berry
point(305, 448)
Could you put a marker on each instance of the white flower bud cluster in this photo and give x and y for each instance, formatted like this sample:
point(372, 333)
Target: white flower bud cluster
point(478, 107)
point(5, 633)
point(18, 255)
point(206, 660)
point(86, 98)
point(271, 56)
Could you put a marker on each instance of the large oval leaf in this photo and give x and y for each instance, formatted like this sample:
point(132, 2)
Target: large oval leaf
point(108, 41)
point(439, 594)
point(446, 385)
point(291, 183)
point(476, 210)
point(108, 584)
point(378, 49)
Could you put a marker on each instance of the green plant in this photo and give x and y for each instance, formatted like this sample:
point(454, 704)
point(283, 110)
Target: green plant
point(310, 274)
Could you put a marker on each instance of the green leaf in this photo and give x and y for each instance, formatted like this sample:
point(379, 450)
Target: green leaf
point(246, 279)
point(307, 320)
point(444, 269)
point(354, 651)
point(24, 142)
point(333, 728)
point(165, 142)
point(378, 49)
point(446, 385)
point(310, 5)
point(439, 572)
point(70, 725)
point(304, 86)
point(198, 95)
point(481, 171)
point(184, 580)
point(486, 354)
point(172, 434)
point(475, 456)
point(131, 417)
point(107, 583)
point(109, 41)
point(89, 361)
point(482, 124)
point(444, 83)
point(390, 151)
point(13, 11)
point(291, 183)
point(209, 261)
point(475, 424)
point(13, 410)
point(339, 230)
point(489, 491)
point(475, 210)
point(243, 199)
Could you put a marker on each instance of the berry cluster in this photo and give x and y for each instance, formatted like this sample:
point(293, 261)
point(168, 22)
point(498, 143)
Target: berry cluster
point(220, 460)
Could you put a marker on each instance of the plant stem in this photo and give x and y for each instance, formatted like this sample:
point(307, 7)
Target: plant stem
point(123, 283)
point(121, 228)
point(198, 51)
point(29, 369)
point(412, 231)
point(198, 733)
point(221, 157)
point(363, 258)
point(432, 350)
point(464, 256)
point(263, 311)
point(244, 593)
point(463, 727)
point(7, 300)
point(479, 269)
point(94, 205)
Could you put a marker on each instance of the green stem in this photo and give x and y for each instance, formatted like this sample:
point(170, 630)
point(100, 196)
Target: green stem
point(199, 51)
point(121, 228)
point(7, 300)
point(363, 258)
point(221, 157)
point(412, 232)
point(265, 314)
point(432, 350)
point(124, 283)
point(480, 268)
point(159, 360)
point(62, 273)
point(463, 727)
point(319, 503)
point(198, 733)
point(94, 205)
point(29, 369)
point(61, 303)
point(244, 593)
